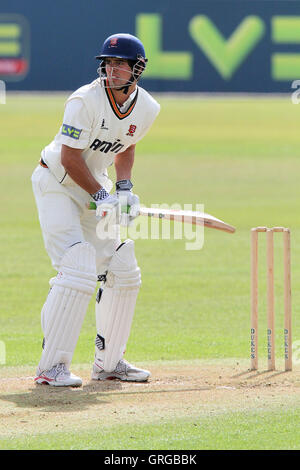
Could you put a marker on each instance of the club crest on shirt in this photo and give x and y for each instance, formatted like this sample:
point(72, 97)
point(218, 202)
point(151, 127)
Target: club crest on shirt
point(131, 130)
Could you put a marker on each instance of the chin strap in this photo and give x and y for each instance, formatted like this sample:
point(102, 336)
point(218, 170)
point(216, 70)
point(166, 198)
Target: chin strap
point(125, 89)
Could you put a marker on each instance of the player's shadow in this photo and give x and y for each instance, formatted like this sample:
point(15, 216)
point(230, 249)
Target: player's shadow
point(44, 398)
point(255, 374)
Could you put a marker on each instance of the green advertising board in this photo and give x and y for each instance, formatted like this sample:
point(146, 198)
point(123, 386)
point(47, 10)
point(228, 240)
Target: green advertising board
point(215, 45)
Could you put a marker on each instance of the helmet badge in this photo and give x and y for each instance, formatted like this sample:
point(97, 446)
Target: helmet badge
point(113, 42)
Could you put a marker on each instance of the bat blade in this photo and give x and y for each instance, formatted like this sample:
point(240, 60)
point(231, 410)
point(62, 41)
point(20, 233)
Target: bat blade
point(190, 217)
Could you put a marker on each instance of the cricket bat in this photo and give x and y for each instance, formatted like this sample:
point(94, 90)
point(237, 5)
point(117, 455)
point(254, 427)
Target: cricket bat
point(184, 216)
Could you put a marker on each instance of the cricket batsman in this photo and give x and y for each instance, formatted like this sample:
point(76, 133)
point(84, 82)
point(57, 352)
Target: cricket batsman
point(102, 123)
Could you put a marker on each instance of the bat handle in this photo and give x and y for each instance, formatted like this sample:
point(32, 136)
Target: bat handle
point(93, 206)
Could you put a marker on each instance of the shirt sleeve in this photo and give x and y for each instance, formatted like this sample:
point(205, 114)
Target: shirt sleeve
point(148, 125)
point(76, 128)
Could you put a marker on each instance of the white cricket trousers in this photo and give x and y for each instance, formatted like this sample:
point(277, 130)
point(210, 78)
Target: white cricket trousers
point(65, 220)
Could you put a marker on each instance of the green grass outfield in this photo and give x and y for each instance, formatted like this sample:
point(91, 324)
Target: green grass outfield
point(230, 432)
point(240, 157)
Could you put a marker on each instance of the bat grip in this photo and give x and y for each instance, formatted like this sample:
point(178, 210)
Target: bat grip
point(93, 207)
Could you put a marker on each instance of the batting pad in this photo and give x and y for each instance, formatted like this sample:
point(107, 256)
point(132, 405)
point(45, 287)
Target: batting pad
point(115, 309)
point(66, 305)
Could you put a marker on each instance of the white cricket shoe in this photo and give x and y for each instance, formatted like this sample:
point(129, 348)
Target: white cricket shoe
point(58, 376)
point(123, 371)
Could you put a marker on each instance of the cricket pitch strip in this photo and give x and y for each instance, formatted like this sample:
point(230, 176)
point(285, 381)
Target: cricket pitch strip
point(182, 389)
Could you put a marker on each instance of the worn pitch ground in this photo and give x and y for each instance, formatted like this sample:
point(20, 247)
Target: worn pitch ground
point(175, 390)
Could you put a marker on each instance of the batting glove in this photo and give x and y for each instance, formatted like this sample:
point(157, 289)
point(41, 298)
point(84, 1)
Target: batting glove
point(130, 203)
point(105, 202)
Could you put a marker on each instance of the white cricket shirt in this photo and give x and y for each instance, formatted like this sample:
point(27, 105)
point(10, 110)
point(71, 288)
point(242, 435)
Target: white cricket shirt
point(94, 123)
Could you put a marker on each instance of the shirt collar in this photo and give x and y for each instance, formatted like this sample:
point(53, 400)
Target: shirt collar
point(128, 101)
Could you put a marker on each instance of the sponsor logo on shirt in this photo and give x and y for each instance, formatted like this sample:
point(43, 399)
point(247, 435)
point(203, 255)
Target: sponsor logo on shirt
point(71, 131)
point(103, 125)
point(106, 147)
